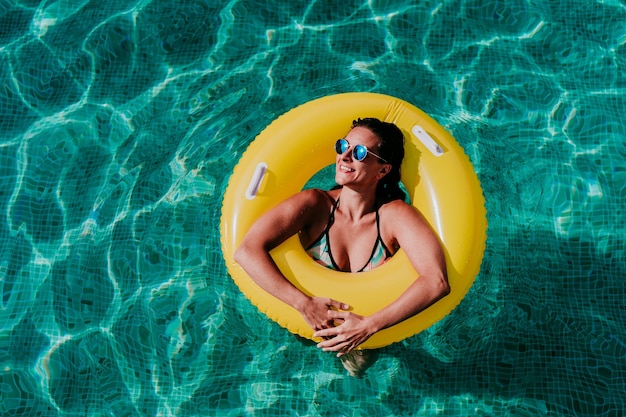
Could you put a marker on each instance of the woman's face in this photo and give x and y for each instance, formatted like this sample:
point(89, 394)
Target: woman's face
point(364, 173)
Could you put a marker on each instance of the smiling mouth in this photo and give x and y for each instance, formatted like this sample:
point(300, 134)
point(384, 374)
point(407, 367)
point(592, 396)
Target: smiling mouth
point(344, 168)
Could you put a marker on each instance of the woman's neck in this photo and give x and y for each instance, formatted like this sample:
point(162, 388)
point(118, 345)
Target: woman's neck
point(355, 204)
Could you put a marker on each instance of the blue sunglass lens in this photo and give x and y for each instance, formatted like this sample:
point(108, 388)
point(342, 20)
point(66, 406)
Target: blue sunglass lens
point(359, 152)
point(341, 146)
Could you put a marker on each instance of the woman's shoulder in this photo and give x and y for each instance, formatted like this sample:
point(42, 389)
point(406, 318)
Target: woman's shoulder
point(314, 207)
point(396, 207)
point(399, 212)
point(315, 197)
point(404, 223)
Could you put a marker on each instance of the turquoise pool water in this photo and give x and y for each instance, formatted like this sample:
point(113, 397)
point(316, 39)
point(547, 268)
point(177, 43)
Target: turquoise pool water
point(121, 122)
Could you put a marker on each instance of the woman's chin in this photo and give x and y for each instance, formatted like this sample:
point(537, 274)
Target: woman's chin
point(342, 178)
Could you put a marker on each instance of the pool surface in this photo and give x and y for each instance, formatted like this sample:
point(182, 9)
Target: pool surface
point(121, 122)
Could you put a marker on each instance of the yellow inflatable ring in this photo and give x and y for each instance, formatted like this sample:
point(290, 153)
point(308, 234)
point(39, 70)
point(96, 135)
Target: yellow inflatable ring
point(436, 173)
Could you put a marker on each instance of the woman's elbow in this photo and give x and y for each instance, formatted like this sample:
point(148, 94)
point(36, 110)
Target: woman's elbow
point(249, 251)
point(241, 254)
point(443, 286)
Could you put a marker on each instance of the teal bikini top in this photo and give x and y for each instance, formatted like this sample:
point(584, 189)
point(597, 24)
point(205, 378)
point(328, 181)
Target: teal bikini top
point(321, 253)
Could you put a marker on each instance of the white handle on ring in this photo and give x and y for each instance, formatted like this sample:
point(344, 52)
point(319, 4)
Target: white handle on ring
point(429, 142)
point(255, 181)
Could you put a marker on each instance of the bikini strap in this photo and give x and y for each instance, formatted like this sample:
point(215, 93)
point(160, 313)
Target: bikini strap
point(331, 220)
point(380, 238)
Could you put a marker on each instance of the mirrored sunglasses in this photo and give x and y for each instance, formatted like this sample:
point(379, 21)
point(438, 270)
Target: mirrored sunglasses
point(359, 152)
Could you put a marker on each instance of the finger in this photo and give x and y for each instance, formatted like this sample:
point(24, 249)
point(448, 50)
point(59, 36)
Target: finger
point(337, 304)
point(330, 344)
point(333, 342)
point(333, 346)
point(329, 332)
point(347, 348)
point(334, 314)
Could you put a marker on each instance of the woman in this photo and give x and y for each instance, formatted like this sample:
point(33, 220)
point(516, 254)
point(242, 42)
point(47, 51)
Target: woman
point(355, 227)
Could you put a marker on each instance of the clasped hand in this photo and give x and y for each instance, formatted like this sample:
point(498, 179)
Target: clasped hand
point(341, 330)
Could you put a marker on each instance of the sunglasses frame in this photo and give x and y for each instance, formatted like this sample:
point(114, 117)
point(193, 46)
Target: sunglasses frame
point(339, 147)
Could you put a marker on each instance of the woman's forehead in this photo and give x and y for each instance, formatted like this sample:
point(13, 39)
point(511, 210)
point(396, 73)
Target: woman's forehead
point(363, 136)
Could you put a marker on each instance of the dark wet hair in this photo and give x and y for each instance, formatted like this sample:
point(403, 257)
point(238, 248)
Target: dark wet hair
point(391, 149)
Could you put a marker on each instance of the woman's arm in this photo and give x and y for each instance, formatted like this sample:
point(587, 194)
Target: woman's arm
point(269, 231)
point(424, 251)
